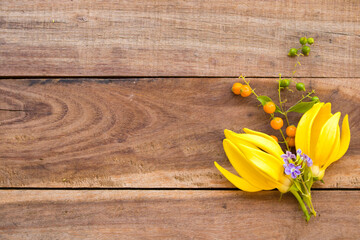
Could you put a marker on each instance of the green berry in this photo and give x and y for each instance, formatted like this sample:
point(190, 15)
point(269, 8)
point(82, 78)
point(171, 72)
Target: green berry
point(315, 99)
point(300, 87)
point(310, 41)
point(284, 83)
point(292, 52)
point(303, 40)
point(305, 50)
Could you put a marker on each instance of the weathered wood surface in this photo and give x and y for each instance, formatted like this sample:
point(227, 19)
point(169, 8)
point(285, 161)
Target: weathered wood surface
point(143, 132)
point(175, 215)
point(177, 38)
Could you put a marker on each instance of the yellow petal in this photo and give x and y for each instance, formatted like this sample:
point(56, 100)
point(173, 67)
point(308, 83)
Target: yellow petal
point(317, 172)
point(249, 131)
point(302, 137)
point(286, 183)
point(246, 168)
point(232, 136)
point(343, 142)
point(271, 147)
point(237, 181)
point(345, 137)
point(321, 118)
point(265, 162)
point(335, 149)
point(326, 143)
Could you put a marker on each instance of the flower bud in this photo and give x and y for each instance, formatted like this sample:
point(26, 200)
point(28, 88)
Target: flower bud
point(300, 87)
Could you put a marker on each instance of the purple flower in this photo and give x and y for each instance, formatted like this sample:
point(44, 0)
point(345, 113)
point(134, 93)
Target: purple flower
point(285, 164)
point(292, 170)
point(307, 159)
point(288, 156)
point(298, 151)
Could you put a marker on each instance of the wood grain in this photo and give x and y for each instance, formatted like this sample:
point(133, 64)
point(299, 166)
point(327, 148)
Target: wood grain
point(177, 38)
point(144, 132)
point(175, 215)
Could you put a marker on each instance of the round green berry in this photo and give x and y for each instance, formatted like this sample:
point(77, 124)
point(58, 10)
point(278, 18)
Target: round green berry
point(305, 50)
point(300, 87)
point(310, 41)
point(292, 52)
point(284, 83)
point(303, 40)
point(315, 99)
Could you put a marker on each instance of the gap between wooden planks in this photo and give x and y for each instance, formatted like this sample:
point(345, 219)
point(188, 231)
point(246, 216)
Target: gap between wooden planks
point(177, 38)
point(175, 215)
point(143, 132)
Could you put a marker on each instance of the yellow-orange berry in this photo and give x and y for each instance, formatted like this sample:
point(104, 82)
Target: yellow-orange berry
point(275, 138)
point(277, 123)
point(290, 141)
point(245, 91)
point(269, 107)
point(236, 88)
point(291, 131)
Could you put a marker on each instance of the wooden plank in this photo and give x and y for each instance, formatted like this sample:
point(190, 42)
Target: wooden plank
point(177, 38)
point(144, 132)
point(175, 215)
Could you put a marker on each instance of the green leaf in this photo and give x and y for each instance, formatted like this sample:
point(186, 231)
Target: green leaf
point(264, 99)
point(301, 107)
point(277, 109)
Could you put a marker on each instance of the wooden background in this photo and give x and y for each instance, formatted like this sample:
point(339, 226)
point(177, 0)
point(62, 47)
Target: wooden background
point(118, 110)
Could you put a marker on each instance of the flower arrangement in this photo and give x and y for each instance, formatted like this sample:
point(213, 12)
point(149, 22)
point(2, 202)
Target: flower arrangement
point(310, 147)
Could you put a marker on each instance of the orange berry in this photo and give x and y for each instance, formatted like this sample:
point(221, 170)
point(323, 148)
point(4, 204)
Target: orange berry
point(277, 123)
point(291, 131)
point(236, 88)
point(269, 107)
point(290, 141)
point(245, 91)
point(274, 137)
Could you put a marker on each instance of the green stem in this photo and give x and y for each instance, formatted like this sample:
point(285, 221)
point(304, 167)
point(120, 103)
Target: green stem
point(285, 114)
point(301, 202)
point(286, 117)
point(307, 197)
point(247, 83)
point(279, 90)
point(297, 61)
point(282, 134)
point(281, 106)
point(301, 99)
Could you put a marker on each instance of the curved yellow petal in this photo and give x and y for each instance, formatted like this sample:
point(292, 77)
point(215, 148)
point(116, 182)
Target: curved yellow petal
point(303, 131)
point(232, 136)
point(265, 162)
point(321, 118)
point(271, 147)
point(249, 131)
point(246, 168)
point(335, 149)
point(345, 137)
point(237, 181)
point(317, 172)
point(343, 142)
point(326, 144)
point(286, 183)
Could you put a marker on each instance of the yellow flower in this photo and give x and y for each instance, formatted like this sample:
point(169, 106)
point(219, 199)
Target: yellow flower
point(318, 136)
point(257, 159)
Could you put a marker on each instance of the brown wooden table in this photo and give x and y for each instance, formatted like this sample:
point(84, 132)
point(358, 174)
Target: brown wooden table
point(118, 110)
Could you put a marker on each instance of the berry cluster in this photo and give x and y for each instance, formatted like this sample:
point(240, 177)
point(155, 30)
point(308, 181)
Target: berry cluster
point(304, 48)
point(270, 107)
point(240, 89)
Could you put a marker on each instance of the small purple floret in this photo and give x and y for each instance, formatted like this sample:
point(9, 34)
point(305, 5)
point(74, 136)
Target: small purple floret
point(288, 156)
point(292, 170)
point(307, 159)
